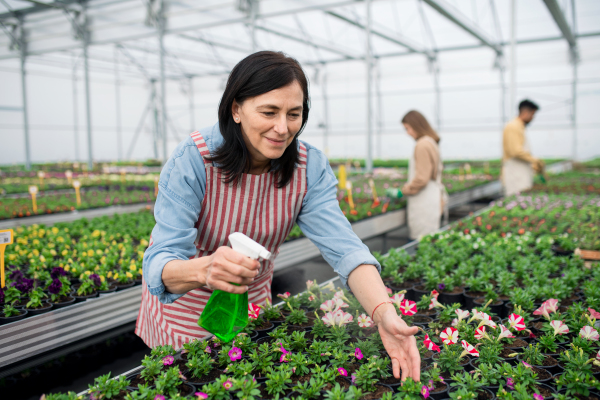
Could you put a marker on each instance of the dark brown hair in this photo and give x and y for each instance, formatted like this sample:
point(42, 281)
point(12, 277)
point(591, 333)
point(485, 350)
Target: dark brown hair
point(257, 74)
point(419, 123)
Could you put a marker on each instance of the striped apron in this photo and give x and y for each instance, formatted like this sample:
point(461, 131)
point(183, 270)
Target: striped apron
point(255, 207)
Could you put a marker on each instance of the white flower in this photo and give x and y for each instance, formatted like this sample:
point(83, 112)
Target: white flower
point(364, 321)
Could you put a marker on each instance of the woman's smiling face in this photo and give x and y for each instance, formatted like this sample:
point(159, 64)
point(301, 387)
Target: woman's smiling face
point(269, 123)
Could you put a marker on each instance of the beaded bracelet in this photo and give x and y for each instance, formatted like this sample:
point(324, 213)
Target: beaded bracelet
point(373, 314)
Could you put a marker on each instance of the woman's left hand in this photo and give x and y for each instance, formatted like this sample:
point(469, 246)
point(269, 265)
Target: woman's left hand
point(400, 343)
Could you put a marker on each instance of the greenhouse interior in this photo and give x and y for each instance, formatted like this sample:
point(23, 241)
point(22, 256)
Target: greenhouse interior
point(413, 211)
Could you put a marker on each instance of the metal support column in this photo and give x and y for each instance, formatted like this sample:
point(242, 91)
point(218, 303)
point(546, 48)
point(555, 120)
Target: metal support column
point(379, 130)
point(513, 56)
point(575, 61)
point(325, 112)
point(85, 35)
point(118, 106)
point(75, 112)
point(156, 126)
point(191, 100)
point(23, 54)
point(163, 94)
point(369, 63)
point(433, 66)
point(253, 13)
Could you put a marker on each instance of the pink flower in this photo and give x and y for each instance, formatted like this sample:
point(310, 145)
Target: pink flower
point(342, 371)
point(207, 349)
point(425, 391)
point(548, 307)
point(284, 295)
point(526, 365)
point(454, 322)
point(505, 333)
point(342, 317)
point(397, 299)
point(364, 321)
point(589, 333)
point(516, 322)
point(201, 395)
point(168, 360)
point(159, 397)
point(430, 385)
point(311, 298)
point(328, 319)
point(309, 284)
point(594, 313)
point(235, 354)
point(227, 384)
point(480, 333)
point(435, 303)
point(353, 378)
point(469, 348)
point(388, 290)
point(429, 345)
point(598, 356)
point(358, 354)
point(462, 314)
point(537, 396)
point(329, 306)
point(510, 383)
point(408, 307)
point(253, 311)
point(449, 335)
point(181, 375)
point(560, 328)
point(338, 295)
point(531, 335)
point(284, 353)
point(434, 294)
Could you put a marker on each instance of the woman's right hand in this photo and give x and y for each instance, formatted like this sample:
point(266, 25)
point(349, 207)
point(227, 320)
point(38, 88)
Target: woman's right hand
point(225, 267)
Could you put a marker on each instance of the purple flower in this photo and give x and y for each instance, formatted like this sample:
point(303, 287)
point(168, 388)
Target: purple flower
point(425, 391)
point(1, 296)
point(96, 279)
point(201, 395)
point(168, 360)
point(441, 286)
point(235, 354)
point(24, 286)
point(538, 396)
point(430, 385)
point(510, 383)
point(358, 354)
point(16, 275)
point(57, 272)
point(55, 286)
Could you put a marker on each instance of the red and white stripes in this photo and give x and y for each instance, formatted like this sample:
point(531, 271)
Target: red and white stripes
point(255, 207)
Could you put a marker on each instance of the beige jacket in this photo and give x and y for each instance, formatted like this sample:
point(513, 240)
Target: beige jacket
point(513, 142)
point(427, 160)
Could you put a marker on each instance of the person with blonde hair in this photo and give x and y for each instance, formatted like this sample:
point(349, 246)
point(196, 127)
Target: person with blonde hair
point(426, 195)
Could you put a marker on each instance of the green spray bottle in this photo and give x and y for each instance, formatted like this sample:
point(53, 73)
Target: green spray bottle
point(226, 314)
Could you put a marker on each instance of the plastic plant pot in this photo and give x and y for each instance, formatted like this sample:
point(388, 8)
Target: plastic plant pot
point(36, 311)
point(496, 308)
point(8, 320)
point(67, 302)
point(79, 298)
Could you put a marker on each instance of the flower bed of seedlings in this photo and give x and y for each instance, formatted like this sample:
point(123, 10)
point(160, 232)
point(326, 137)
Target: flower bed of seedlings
point(51, 203)
point(11, 183)
point(571, 182)
point(503, 314)
point(53, 267)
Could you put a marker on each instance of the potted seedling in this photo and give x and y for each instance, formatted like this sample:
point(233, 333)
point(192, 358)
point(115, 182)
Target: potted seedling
point(11, 314)
point(278, 381)
point(106, 388)
point(86, 290)
point(36, 304)
point(470, 383)
point(201, 369)
point(170, 383)
point(60, 293)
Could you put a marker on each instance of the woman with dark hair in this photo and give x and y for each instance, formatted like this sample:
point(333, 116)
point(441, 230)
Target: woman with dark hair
point(426, 196)
point(249, 173)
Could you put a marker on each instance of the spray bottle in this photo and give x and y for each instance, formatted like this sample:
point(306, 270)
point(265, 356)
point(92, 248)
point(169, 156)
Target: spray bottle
point(226, 314)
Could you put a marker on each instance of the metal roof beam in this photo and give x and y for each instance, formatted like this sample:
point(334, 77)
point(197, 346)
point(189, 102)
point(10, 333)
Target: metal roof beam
point(458, 18)
point(394, 38)
point(331, 49)
point(561, 21)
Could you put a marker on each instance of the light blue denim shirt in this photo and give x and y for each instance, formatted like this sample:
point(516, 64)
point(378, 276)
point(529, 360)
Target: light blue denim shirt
point(182, 187)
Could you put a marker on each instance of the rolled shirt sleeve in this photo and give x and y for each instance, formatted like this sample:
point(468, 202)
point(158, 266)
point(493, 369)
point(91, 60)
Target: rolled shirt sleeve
point(323, 222)
point(181, 190)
